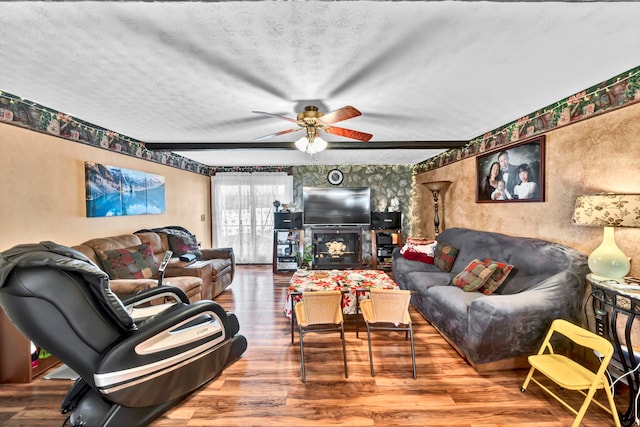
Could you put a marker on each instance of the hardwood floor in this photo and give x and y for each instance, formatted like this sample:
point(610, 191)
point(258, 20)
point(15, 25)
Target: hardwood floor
point(264, 388)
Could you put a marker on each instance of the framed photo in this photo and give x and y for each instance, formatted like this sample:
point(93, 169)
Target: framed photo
point(513, 174)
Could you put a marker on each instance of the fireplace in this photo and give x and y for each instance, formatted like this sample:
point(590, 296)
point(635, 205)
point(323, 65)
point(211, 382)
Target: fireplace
point(337, 248)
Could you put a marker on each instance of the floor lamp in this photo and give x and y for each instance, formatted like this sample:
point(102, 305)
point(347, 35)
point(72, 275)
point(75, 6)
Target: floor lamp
point(436, 188)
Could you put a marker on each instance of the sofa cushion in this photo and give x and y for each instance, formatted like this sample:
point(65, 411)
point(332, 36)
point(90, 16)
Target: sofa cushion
point(474, 276)
point(135, 262)
point(448, 308)
point(158, 241)
point(184, 243)
point(444, 256)
point(498, 276)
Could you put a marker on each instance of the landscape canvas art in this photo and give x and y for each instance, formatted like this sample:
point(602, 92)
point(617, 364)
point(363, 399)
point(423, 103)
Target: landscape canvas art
point(114, 191)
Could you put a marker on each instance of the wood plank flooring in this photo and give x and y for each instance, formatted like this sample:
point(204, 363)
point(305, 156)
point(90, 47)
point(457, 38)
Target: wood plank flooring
point(264, 388)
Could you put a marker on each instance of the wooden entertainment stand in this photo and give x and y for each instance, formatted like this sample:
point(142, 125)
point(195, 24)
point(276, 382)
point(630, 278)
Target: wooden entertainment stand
point(288, 242)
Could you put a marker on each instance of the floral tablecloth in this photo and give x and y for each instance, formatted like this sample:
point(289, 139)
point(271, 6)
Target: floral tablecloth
point(349, 281)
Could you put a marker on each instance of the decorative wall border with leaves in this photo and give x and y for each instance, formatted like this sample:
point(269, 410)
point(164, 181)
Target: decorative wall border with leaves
point(617, 92)
point(23, 113)
point(20, 112)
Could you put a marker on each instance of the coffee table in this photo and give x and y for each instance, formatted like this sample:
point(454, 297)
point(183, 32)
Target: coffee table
point(353, 283)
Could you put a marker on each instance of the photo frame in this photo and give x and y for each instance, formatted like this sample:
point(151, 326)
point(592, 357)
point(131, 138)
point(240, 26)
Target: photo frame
point(519, 176)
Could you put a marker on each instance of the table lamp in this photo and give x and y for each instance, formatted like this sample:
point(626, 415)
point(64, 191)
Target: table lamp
point(436, 187)
point(607, 261)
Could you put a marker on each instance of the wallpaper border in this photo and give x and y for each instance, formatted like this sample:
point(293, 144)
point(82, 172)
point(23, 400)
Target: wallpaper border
point(617, 92)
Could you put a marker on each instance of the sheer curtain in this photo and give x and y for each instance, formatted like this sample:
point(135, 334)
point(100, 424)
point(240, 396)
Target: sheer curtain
point(242, 212)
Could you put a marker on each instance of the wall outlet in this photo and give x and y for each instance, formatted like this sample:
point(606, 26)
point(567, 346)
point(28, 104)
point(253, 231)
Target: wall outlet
point(203, 217)
point(601, 323)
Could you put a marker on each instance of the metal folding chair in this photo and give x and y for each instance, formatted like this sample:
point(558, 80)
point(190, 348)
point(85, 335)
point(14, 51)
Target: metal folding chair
point(571, 375)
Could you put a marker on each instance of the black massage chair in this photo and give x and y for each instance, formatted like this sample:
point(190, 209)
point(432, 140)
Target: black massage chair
point(131, 369)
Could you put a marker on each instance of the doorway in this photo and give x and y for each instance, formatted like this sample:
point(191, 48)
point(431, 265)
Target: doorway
point(242, 212)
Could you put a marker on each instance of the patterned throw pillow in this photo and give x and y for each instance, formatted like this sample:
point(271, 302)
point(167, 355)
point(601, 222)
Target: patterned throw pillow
point(497, 278)
point(136, 262)
point(182, 244)
point(474, 275)
point(444, 256)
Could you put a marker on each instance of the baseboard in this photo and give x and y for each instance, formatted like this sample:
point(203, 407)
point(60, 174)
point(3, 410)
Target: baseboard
point(521, 362)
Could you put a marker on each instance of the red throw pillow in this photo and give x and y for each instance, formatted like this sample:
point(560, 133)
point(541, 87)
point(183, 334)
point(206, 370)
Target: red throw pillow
point(417, 256)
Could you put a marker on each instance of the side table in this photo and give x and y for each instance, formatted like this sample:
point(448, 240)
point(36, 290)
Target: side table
point(613, 311)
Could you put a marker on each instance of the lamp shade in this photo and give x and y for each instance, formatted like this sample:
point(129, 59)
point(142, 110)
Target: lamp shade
point(612, 210)
point(437, 185)
point(607, 261)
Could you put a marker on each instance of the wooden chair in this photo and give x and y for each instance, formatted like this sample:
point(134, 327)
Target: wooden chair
point(320, 311)
point(571, 375)
point(388, 309)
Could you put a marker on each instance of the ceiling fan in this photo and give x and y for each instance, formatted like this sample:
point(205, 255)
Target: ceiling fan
point(312, 121)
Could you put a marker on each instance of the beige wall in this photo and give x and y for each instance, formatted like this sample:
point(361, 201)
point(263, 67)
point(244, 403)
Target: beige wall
point(601, 154)
point(43, 195)
point(42, 192)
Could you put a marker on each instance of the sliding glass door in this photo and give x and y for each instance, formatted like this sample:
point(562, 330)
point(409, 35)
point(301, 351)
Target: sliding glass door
point(242, 212)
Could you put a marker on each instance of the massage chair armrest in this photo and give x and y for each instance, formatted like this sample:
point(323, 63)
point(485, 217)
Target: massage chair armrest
point(183, 347)
point(124, 288)
point(174, 332)
point(153, 301)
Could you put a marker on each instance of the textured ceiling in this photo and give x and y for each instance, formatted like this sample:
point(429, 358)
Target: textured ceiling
point(418, 71)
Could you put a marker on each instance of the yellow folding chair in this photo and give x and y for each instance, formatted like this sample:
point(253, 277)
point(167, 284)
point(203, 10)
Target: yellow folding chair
point(571, 375)
point(388, 309)
point(320, 311)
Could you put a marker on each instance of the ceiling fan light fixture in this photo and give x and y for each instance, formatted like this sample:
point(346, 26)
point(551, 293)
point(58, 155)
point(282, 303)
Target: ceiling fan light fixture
point(311, 147)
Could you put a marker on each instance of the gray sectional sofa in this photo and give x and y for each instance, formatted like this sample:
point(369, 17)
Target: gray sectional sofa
point(500, 330)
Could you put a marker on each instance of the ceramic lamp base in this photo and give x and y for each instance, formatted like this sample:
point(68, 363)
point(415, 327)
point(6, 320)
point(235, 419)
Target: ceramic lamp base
point(607, 261)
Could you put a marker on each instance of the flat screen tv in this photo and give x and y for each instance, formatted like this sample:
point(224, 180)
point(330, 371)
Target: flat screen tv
point(336, 206)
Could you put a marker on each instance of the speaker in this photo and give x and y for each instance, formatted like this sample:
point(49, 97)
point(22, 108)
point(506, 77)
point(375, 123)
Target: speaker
point(287, 220)
point(384, 239)
point(386, 220)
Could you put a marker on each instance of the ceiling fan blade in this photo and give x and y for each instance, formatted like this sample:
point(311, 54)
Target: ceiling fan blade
point(348, 133)
point(339, 115)
point(276, 115)
point(278, 133)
